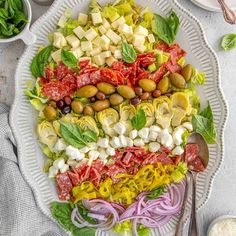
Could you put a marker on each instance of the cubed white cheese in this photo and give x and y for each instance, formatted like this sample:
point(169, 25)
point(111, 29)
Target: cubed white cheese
point(115, 142)
point(110, 151)
point(130, 142)
point(52, 172)
point(119, 128)
point(105, 54)
point(141, 31)
point(62, 21)
point(90, 34)
point(59, 40)
point(129, 39)
point(56, 56)
point(133, 134)
point(93, 154)
point(166, 138)
point(84, 149)
point(58, 163)
point(138, 142)
point(96, 18)
point(60, 145)
point(83, 18)
point(141, 49)
point(177, 135)
point(105, 42)
point(74, 153)
point(143, 133)
point(86, 46)
point(155, 128)
point(114, 37)
point(99, 60)
point(97, 41)
point(103, 142)
point(64, 168)
point(102, 153)
point(126, 30)
point(112, 48)
point(73, 41)
point(138, 40)
point(79, 32)
point(188, 126)
point(118, 54)
point(106, 24)
point(95, 51)
point(123, 141)
point(151, 38)
point(110, 60)
point(177, 151)
point(153, 147)
point(92, 146)
point(152, 136)
point(102, 29)
point(118, 22)
point(77, 52)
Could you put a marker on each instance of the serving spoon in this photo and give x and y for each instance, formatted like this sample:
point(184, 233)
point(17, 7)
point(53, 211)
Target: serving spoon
point(191, 179)
point(227, 12)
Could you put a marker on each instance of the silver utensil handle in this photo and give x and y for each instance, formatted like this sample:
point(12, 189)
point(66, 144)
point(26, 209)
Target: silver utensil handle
point(227, 12)
point(193, 227)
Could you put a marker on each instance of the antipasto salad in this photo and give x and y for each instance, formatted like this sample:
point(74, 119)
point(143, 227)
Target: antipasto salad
point(116, 104)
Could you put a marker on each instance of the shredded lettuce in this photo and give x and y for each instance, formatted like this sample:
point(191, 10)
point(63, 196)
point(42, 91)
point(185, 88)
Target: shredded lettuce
point(124, 8)
point(111, 13)
point(129, 19)
point(122, 227)
point(161, 57)
point(179, 173)
point(198, 77)
point(185, 136)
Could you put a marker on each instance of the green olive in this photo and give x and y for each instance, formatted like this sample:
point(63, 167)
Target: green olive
point(116, 99)
point(87, 91)
point(147, 85)
point(88, 111)
point(187, 72)
point(126, 91)
point(163, 85)
point(106, 88)
point(77, 106)
point(50, 113)
point(177, 80)
point(101, 105)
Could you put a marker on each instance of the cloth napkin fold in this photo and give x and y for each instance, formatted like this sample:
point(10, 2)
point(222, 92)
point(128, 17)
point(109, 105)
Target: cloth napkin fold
point(19, 214)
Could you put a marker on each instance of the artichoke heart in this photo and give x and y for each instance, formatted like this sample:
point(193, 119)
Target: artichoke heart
point(108, 117)
point(178, 115)
point(181, 100)
point(148, 108)
point(87, 122)
point(57, 127)
point(47, 134)
point(163, 115)
point(127, 112)
point(69, 118)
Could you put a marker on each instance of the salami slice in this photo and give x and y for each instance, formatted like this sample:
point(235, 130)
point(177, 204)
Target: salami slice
point(191, 152)
point(83, 80)
point(84, 63)
point(157, 76)
point(74, 177)
point(154, 158)
point(54, 90)
point(162, 46)
point(196, 165)
point(109, 76)
point(62, 70)
point(49, 73)
point(64, 185)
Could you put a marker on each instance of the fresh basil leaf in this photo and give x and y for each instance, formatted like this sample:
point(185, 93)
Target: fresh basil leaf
point(207, 113)
point(228, 42)
point(86, 231)
point(173, 22)
point(139, 120)
point(198, 77)
point(19, 18)
point(128, 53)
point(69, 59)
point(3, 14)
point(89, 136)
point(9, 30)
point(34, 67)
point(155, 193)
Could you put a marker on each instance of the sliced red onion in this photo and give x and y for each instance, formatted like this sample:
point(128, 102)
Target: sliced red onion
point(97, 216)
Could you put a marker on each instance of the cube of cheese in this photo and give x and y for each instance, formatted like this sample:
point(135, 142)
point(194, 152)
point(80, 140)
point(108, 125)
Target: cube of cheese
point(102, 29)
point(129, 39)
point(86, 46)
point(83, 18)
point(110, 60)
point(77, 52)
point(97, 41)
point(112, 48)
point(151, 38)
point(90, 34)
point(87, 53)
point(118, 54)
point(79, 32)
point(141, 48)
point(118, 22)
point(95, 51)
point(126, 30)
point(59, 40)
point(99, 60)
point(73, 41)
point(56, 56)
point(138, 40)
point(105, 42)
point(96, 18)
point(114, 37)
point(140, 30)
point(106, 24)
point(105, 54)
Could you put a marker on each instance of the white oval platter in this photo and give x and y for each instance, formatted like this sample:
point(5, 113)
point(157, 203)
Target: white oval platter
point(23, 118)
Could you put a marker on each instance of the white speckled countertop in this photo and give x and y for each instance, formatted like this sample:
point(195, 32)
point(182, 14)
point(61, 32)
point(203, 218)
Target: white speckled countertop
point(223, 196)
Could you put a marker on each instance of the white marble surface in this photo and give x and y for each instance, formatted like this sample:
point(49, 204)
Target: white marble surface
point(223, 196)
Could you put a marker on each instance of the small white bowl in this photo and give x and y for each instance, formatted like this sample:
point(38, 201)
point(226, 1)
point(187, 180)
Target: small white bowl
point(25, 34)
point(218, 219)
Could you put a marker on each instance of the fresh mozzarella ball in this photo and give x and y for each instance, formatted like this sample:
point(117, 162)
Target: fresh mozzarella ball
point(74, 153)
point(84, 149)
point(103, 142)
point(123, 142)
point(155, 128)
point(72, 163)
point(177, 135)
point(130, 142)
point(60, 145)
point(93, 154)
point(146, 140)
point(119, 128)
point(64, 168)
point(115, 142)
point(143, 133)
point(110, 151)
point(102, 153)
point(153, 136)
point(153, 146)
point(177, 150)
point(188, 126)
point(138, 142)
point(166, 138)
point(59, 163)
point(92, 146)
point(52, 172)
point(133, 134)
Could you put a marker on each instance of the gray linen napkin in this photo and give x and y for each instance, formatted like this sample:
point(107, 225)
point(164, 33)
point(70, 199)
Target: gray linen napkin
point(19, 214)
